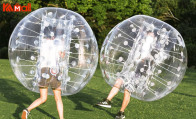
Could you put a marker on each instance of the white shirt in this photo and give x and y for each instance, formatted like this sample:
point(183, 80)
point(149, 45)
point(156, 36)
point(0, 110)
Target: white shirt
point(146, 47)
point(49, 52)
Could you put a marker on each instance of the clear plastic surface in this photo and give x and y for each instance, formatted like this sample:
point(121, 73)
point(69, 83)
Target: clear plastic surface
point(55, 48)
point(149, 56)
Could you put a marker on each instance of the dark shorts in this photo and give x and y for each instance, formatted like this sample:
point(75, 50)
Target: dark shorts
point(49, 77)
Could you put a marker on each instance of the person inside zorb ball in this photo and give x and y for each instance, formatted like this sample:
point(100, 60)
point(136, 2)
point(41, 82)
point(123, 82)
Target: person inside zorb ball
point(144, 57)
point(53, 50)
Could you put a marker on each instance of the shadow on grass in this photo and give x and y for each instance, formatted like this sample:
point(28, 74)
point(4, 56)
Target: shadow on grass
point(184, 94)
point(13, 92)
point(88, 95)
point(106, 110)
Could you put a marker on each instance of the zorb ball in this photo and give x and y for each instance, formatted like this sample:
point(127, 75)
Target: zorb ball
point(147, 54)
point(55, 48)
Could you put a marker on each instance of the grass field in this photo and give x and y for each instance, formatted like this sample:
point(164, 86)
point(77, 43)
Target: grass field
point(180, 104)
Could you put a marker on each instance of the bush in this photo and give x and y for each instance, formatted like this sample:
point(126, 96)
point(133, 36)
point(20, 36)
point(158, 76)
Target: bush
point(4, 53)
point(191, 48)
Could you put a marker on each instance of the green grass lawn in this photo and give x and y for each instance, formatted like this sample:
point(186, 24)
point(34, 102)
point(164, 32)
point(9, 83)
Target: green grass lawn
point(180, 104)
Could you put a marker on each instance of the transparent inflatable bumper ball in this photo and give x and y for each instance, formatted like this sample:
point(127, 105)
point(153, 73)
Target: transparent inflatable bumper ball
point(147, 54)
point(55, 48)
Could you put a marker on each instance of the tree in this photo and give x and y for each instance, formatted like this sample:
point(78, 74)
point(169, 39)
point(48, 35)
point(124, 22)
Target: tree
point(181, 14)
point(8, 21)
point(103, 15)
point(187, 27)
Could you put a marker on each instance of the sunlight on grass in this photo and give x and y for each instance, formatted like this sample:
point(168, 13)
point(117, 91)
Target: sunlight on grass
point(180, 104)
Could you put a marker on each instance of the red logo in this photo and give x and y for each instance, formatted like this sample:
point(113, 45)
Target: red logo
point(17, 8)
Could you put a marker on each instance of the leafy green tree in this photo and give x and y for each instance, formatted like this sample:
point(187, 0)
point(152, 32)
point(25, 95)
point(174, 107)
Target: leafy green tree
point(103, 15)
point(182, 15)
point(165, 9)
point(187, 27)
point(8, 21)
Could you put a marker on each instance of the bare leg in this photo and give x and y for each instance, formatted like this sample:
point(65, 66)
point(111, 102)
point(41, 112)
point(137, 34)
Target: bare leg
point(39, 101)
point(115, 89)
point(125, 100)
point(59, 103)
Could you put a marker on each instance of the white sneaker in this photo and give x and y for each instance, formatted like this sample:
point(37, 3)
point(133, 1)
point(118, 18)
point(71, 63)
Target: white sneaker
point(25, 114)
